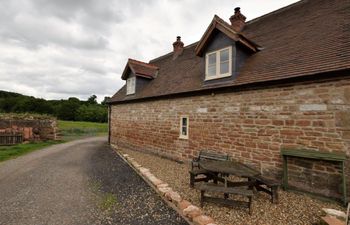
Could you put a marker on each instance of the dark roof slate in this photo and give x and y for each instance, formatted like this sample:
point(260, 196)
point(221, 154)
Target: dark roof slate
point(140, 69)
point(306, 38)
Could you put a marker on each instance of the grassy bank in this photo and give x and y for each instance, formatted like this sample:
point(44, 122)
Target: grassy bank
point(69, 130)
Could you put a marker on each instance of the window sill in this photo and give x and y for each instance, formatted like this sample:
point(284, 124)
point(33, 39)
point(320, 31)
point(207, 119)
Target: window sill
point(217, 77)
point(183, 137)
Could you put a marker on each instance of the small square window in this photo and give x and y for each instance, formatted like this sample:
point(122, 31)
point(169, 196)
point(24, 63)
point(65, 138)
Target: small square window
point(184, 127)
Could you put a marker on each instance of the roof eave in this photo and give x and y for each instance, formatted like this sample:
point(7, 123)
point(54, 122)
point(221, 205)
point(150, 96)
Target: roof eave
point(144, 75)
point(217, 24)
point(125, 71)
point(328, 75)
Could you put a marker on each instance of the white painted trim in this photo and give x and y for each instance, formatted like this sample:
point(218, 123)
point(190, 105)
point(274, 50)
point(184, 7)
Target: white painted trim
point(187, 127)
point(218, 75)
point(130, 89)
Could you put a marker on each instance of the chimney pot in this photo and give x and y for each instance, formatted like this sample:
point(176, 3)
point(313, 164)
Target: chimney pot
point(178, 47)
point(238, 20)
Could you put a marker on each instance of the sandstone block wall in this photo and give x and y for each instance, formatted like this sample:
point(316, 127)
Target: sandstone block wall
point(251, 126)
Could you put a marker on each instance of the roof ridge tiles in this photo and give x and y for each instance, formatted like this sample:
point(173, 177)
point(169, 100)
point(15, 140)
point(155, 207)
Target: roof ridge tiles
point(171, 53)
point(142, 63)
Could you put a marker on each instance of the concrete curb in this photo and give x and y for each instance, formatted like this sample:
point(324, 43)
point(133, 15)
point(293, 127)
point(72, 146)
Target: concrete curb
point(192, 214)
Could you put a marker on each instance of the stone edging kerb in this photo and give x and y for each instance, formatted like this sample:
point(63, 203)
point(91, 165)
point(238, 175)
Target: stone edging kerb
point(184, 207)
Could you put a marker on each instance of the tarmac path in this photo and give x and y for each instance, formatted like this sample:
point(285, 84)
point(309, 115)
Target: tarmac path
point(79, 182)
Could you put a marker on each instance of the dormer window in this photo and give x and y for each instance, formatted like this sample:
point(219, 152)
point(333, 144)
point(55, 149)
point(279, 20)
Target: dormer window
point(218, 64)
point(130, 85)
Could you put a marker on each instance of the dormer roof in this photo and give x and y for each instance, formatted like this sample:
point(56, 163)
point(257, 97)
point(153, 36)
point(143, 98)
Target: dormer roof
point(219, 24)
point(141, 69)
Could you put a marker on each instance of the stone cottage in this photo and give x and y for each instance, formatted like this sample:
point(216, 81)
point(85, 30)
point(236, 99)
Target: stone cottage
point(249, 89)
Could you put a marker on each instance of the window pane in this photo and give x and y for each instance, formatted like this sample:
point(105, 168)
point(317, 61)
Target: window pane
point(224, 55)
point(224, 67)
point(128, 86)
point(184, 131)
point(212, 70)
point(212, 59)
point(184, 121)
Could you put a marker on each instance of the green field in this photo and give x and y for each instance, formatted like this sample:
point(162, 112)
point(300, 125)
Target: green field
point(69, 130)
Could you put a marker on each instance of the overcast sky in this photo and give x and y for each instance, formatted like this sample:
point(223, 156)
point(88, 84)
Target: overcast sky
point(56, 49)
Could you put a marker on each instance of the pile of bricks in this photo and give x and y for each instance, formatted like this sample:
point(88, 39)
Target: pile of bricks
point(191, 212)
point(32, 129)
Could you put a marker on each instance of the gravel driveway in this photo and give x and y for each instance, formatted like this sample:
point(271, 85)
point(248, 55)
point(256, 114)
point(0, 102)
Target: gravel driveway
point(80, 182)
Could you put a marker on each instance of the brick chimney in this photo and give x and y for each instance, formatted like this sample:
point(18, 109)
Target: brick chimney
point(238, 20)
point(178, 47)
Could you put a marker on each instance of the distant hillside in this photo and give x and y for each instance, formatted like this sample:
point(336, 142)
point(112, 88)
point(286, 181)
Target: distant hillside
point(65, 109)
point(6, 94)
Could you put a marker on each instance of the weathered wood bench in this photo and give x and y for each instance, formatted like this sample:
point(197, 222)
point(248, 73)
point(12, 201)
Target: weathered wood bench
point(219, 188)
point(268, 186)
point(196, 170)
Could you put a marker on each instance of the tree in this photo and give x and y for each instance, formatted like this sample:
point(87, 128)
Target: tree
point(71, 109)
point(92, 113)
point(104, 102)
point(68, 109)
point(92, 100)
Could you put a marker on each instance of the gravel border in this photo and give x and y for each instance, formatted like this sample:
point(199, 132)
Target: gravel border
point(126, 197)
point(293, 208)
point(192, 214)
point(155, 185)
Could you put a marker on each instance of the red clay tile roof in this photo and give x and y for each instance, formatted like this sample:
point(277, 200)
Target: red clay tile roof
point(221, 25)
point(307, 38)
point(140, 69)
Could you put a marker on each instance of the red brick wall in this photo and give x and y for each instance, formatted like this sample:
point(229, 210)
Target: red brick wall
point(252, 126)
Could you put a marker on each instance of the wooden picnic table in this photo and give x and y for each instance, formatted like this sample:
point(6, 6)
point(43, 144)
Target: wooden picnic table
point(255, 181)
point(220, 170)
point(229, 167)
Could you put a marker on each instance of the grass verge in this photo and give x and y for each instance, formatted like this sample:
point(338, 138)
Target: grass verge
point(8, 152)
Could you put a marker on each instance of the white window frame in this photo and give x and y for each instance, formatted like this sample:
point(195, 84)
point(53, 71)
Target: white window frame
point(218, 75)
point(130, 85)
point(181, 126)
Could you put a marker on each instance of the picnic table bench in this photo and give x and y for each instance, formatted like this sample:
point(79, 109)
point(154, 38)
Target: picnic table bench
point(210, 187)
point(217, 167)
point(196, 170)
point(269, 186)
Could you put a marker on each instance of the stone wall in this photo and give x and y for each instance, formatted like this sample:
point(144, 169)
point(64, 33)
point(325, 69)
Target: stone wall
point(32, 129)
point(251, 126)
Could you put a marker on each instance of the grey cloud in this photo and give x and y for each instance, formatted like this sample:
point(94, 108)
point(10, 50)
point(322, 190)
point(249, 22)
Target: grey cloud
point(96, 15)
point(62, 48)
point(33, 33)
